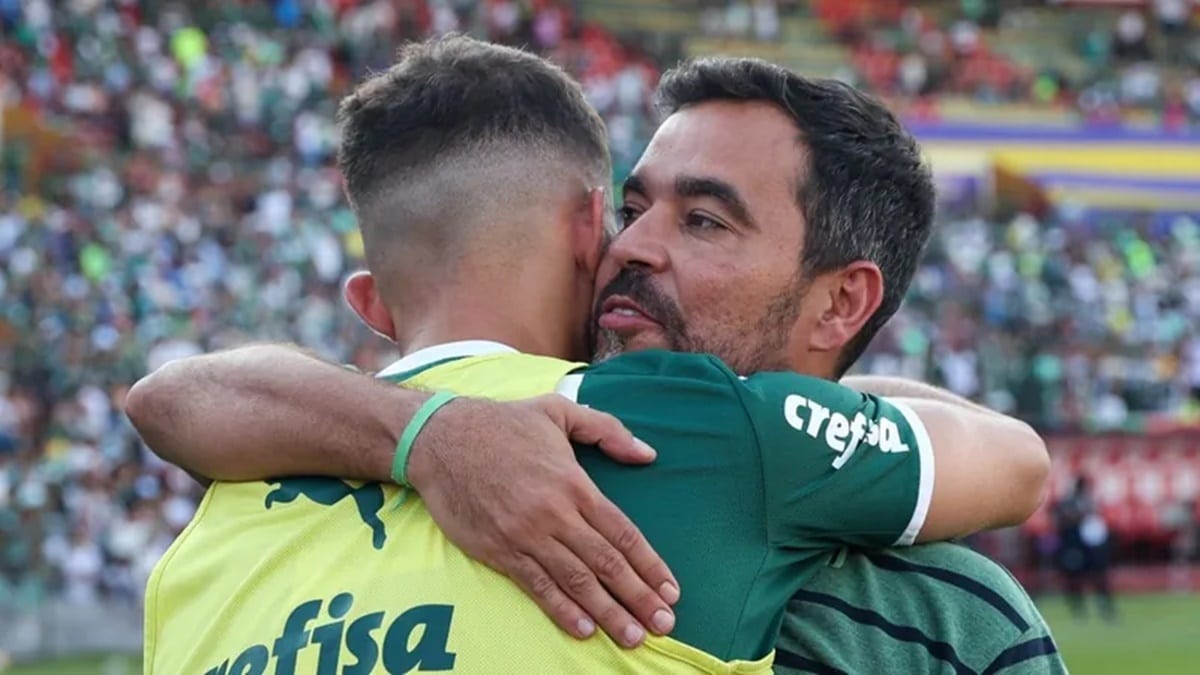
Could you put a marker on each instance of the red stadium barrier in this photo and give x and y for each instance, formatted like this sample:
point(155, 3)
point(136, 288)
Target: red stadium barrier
point(1135, 479)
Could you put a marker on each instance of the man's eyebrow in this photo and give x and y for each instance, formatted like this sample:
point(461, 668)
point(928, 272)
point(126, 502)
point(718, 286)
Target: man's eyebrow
point(634, 184)
point(703, 186)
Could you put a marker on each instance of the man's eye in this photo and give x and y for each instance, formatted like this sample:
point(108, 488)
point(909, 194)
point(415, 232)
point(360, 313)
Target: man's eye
point(703, 222)
point(626, 215)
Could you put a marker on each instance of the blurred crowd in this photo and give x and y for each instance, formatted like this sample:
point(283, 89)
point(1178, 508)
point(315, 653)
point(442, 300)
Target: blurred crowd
point(1098, 62)
point(757, 19)
point(172, 191)
point(1071, 323)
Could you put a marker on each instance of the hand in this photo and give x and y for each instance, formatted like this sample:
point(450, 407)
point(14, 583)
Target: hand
point(502, 481)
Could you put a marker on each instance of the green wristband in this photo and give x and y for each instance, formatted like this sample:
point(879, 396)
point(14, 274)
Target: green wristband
point(418, 422)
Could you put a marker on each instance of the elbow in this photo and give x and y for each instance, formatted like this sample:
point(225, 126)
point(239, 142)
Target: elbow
point(151, 403)
point(1032, 474)
point(140, 401)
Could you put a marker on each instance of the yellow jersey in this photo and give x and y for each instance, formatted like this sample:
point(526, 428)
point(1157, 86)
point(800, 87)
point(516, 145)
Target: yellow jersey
point(317, 575)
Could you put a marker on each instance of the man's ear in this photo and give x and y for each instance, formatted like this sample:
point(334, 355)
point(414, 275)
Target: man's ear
point(854, 294)
point(591, 230)
point(362, 295)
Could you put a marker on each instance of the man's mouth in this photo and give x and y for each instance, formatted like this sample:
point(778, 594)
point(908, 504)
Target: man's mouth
point(622, 315)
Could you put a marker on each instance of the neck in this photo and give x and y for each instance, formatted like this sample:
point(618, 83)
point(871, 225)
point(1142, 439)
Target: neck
point(519, 290)
point(494, 317)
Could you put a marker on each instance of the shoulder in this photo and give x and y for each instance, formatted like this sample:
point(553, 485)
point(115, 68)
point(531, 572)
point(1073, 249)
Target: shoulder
point(658, 363)
point(669, 366)
point(653, 375)
point(665, 389)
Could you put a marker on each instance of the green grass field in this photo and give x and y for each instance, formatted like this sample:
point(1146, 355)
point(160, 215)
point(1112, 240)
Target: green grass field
point(1154, 634)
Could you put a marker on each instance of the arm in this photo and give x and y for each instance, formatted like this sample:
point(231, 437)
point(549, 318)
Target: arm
point(263, 411)
point(500, 479)
point(989, 466)
point(866, 468)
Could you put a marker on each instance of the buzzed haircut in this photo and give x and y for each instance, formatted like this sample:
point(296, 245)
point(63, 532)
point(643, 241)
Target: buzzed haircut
point(456, 135)
point(864, 190)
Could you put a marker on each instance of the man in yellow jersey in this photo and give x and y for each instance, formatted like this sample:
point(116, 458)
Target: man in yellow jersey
point(458, 149)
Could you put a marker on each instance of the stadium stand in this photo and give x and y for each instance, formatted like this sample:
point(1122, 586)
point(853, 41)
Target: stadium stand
point(168, 188)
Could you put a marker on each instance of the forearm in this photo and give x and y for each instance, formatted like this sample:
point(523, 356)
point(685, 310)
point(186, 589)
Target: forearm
point(899, 387)
point(268, 410)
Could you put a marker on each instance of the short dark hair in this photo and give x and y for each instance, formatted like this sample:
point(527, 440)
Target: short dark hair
point(865, 192)
point(454, 108)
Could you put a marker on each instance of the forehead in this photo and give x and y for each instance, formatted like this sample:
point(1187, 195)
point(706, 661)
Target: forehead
point(753, 146)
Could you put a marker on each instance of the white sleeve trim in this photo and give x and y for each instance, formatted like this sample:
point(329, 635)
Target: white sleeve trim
point(925, 487)
point(569, 385)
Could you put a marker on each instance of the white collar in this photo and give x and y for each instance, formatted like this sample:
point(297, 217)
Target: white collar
point(449, 350)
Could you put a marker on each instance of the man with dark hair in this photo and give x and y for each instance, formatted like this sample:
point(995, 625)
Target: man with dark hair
point(858, 187)
point(763, 474)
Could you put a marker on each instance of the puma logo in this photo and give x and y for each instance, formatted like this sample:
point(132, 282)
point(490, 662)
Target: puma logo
point(368, 498)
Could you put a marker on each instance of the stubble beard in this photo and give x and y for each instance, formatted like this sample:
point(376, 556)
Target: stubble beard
point(761, 348)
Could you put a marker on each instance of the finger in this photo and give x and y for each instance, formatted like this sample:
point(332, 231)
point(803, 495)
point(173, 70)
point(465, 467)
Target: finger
point(628, 540)
point(620, 578)
point(538, 584)
point(592, 427)
point(582, 586)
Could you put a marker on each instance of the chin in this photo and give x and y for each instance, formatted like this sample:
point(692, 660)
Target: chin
point(606, 346)
point(609, 344)
point(639, 344)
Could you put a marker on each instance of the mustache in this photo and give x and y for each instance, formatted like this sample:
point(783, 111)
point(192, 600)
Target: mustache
point(637, 285)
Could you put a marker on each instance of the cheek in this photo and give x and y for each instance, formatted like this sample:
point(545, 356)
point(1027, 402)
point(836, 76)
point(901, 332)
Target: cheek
point(604, 274)
point(714, 301)
point(729, 301)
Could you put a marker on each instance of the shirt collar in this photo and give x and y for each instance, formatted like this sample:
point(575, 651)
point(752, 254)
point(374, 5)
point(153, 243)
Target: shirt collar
point(449, 350)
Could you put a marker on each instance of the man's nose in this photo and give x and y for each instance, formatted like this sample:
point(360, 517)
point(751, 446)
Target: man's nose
point(644, 242)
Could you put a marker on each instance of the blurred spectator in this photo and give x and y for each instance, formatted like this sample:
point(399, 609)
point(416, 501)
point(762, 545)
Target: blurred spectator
point(1172, 16)
point(1083, 555)
point(914, 74)
point(1183, 520)
point(766, 20)
point(81, 566)
point(1130, 41)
